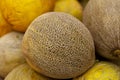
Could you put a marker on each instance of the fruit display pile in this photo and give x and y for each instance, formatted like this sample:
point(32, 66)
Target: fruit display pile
point(60, 40)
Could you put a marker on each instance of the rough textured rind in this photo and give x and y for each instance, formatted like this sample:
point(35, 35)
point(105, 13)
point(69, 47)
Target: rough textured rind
point(10, 52)
point(24, 72)
point(102, 17)
point(58, 45)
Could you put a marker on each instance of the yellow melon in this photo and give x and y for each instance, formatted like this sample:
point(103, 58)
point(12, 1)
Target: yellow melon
point(4, 26)
point(101, 71)
point(20, 13)
point(72, 7)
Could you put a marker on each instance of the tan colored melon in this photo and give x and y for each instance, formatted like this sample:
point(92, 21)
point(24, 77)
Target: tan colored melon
point(102, 17)
point(24, 72)
point(10, 52)
point(58, 45)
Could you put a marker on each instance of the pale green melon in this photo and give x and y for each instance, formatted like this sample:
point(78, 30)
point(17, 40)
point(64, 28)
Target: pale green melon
point(102, 18)
point(25, 72)
point(10, 52)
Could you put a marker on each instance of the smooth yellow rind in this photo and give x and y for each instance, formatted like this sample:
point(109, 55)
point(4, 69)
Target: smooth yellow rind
point(72, 7)
point(101, 71)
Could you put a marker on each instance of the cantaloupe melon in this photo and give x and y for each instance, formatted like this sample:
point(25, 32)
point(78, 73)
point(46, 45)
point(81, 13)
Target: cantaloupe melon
point(58, 45)
point(102, 18)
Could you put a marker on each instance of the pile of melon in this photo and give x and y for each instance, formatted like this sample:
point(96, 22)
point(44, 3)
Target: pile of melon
point(58, 45)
